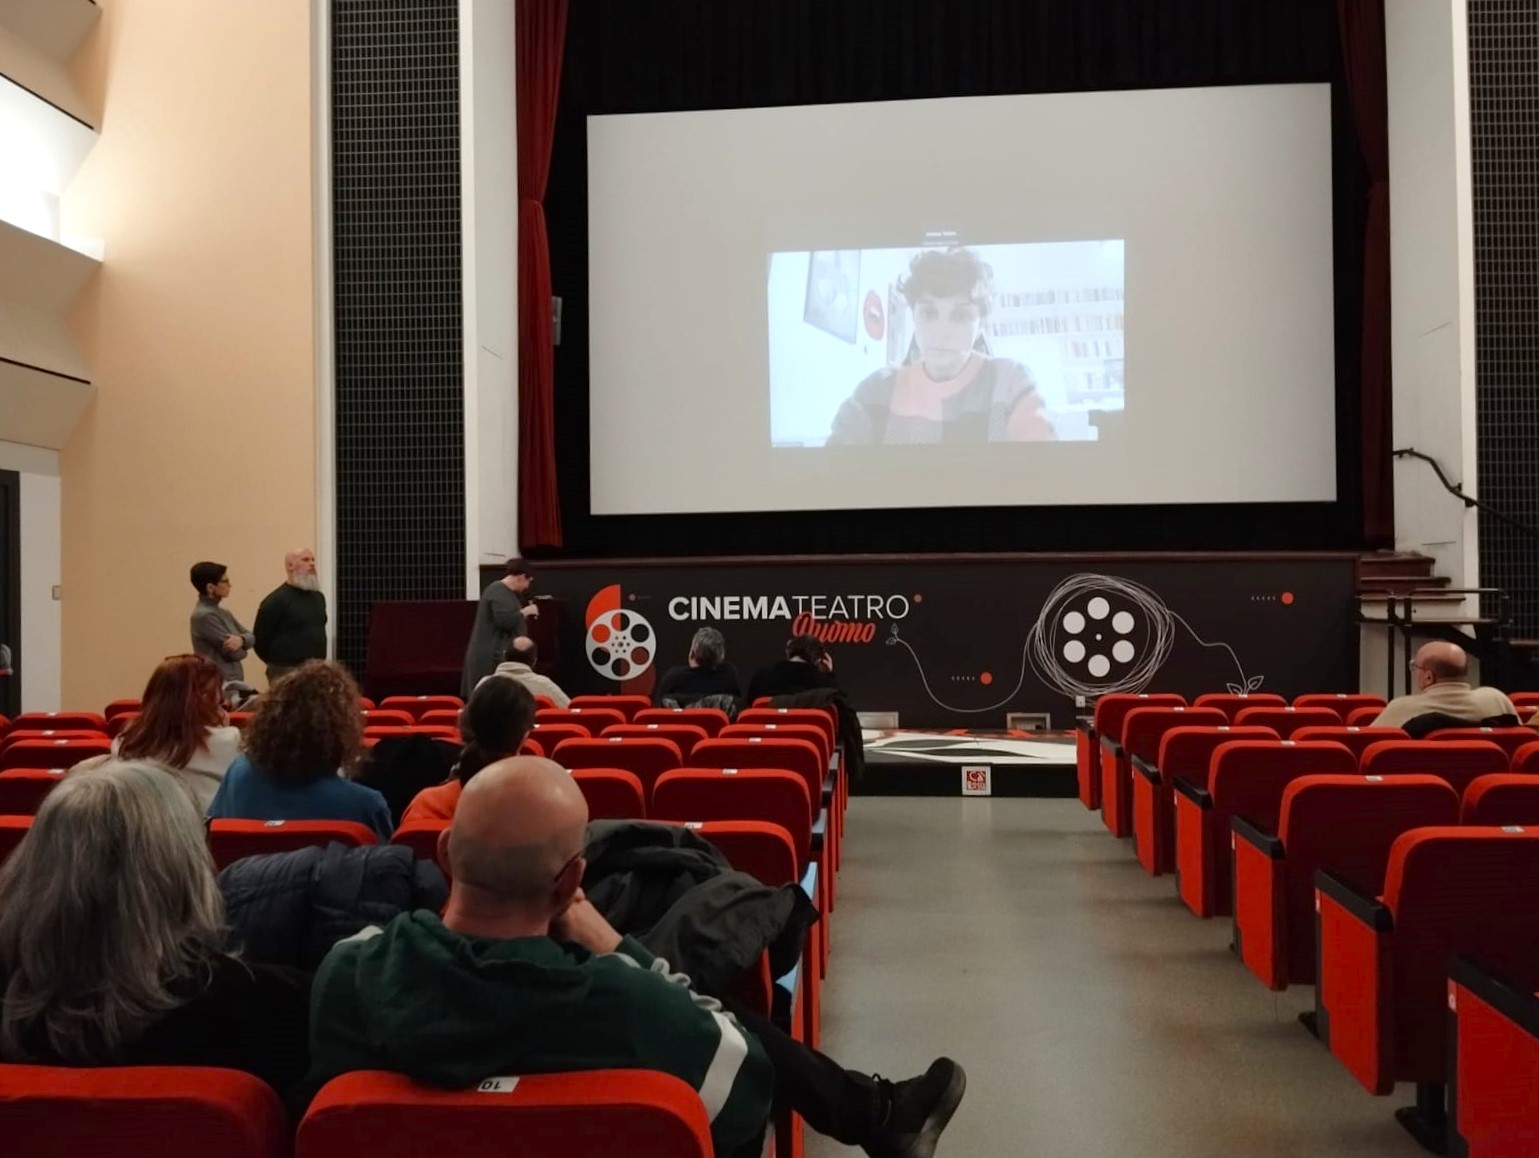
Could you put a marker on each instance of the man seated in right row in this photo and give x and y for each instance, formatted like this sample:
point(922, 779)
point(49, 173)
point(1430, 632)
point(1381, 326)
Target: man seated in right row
point(522, 975)
point(1444, 698)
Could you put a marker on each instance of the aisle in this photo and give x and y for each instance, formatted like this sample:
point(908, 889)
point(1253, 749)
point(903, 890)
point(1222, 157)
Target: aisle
point(1096, 1017)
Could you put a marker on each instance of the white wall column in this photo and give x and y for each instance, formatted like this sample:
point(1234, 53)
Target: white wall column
point(1432, 275)
point(489, 217)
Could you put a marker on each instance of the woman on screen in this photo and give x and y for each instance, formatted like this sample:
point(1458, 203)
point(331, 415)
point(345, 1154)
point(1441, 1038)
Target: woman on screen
point(950, 389)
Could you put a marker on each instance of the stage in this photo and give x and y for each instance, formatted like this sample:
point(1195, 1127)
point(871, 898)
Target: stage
point(914, 762)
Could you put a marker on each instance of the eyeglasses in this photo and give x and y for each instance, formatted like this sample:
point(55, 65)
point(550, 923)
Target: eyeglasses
point(575, 857)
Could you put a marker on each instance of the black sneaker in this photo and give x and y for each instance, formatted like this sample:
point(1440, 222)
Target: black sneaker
point(917, 1111)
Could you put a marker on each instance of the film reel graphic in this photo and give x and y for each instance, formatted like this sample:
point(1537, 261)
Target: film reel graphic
point(621, 644)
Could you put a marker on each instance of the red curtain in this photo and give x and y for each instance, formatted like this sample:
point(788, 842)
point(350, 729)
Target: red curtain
point(540, 29)
point(1362, 48)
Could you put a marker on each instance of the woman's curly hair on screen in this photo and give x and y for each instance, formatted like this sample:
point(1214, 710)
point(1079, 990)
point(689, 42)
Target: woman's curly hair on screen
point(956, 272)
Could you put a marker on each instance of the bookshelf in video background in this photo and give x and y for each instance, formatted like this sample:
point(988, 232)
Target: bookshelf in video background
point(1087, 325)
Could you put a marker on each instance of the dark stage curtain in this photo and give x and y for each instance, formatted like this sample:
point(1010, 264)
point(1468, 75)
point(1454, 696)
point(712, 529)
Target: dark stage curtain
point(540, 27)
point(630, 56)
point(1363, 56)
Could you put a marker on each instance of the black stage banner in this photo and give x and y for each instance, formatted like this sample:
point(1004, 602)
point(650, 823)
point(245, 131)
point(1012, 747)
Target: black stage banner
point(960, 641)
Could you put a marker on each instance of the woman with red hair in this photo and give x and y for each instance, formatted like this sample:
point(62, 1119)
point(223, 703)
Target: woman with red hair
point(182, 726)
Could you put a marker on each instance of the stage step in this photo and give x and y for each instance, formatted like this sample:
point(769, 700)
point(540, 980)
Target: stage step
point(1395, 565)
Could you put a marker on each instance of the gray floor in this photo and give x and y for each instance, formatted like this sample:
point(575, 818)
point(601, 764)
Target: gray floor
point(1096, 1017)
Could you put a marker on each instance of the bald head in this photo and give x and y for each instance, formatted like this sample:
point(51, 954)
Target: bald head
point(1441, 660)
point(518, 824)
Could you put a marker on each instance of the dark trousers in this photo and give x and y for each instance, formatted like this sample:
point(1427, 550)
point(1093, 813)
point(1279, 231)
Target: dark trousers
point(838, 1103)
point(276, 671)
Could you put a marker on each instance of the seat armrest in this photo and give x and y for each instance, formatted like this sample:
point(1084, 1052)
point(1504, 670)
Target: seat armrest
point(1517, 1005)
point(1111, 746)
point(1145, 769)
point(809, 882)
point(1366, 909)
point(1198, 796)
point(1264, 842)
point(1085, 724)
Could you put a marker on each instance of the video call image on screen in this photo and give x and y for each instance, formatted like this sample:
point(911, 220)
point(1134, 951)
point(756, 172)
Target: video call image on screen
point(945, 343)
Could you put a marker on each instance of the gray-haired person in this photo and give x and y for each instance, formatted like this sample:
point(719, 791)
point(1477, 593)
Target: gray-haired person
point(105, 967)
point(216, 633)
point(706, 674)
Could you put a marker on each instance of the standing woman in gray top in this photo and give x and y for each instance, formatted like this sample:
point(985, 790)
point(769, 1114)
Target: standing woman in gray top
point(216, 633)
point(499, 618)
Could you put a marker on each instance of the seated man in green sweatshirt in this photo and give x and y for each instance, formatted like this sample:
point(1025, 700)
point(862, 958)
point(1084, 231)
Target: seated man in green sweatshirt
point(523, 975)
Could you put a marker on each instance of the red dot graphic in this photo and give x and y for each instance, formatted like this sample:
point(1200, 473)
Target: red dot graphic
point(986, 678)
point(1287, 597)
point(918, 598)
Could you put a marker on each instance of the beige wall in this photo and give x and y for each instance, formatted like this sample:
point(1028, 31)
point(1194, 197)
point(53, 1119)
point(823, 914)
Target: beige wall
point(199, 327)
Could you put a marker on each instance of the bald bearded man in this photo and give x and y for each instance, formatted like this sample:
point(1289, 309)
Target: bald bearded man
point(522, 975)
point(290, 625)
point(1444, 698)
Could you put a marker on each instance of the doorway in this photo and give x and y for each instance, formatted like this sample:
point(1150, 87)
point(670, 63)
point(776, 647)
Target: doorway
point(10, 589)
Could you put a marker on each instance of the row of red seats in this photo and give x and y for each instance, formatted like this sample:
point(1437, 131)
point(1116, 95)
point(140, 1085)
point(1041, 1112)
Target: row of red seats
point(1358, 862)
point(187, 1112)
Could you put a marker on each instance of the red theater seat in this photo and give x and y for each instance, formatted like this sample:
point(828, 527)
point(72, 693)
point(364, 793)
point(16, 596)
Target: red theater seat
point(119, 723)
point(764, 794)
point(767, 853)
point(58, 722)
point(22, 790)
point(1142, 731)
point(1381, 1000)
point(1184, 754)
point(646, 757)
point(1510, 740)
point(1341, 824)
point(1350, 736)
point(799, 756)
point(387, 718)
point(440, 718)
point(1493, 1087)
point(627, 706)
point(1110, 713)
point(231, 840)
point(612, 793)
point(1342, 703)
point(139, 1112)
point(53, 736)
point(1232, 703)
point(1502, 798)
point(593, 719)
point(56, 753)
point(1246, 778)
point(686, 736)
point(1087, 764)
point(1456, 761)
point(713, 720)
point(12, 830)
point(549, 735)
point(421, 836)
point(1526, 759)
point(601, 1114)
point(119, 708)
point(1286, 721)
point(418, 706)
point(1364, 717)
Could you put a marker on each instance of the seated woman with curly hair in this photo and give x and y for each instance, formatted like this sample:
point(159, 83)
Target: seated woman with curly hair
point(304, 739)
point(113, 941)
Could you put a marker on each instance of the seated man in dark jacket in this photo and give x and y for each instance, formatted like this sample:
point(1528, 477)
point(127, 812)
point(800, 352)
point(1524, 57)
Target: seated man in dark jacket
point(522, 976)
point(807, 665)
point(706, 674)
